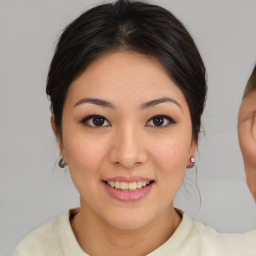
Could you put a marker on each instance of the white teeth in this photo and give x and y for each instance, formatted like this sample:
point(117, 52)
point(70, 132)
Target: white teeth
point(117, 184)
point(128, 185)
point(132, 186)
point(112, 183)
point(139, 184)
point(124, 185)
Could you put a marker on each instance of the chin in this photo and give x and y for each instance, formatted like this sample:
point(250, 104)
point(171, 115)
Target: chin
point(128, 224)
point(128, 220)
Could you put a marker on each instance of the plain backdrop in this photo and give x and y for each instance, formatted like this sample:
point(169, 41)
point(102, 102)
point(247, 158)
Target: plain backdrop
point(33, 189)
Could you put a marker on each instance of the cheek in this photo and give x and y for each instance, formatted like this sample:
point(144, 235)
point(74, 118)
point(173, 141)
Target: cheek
point(172, 155)
point(240, 129)
point(244, 134)
point(84, 155)
point(170, 162)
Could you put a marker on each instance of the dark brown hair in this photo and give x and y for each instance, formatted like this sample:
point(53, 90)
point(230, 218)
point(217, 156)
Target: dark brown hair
point(134, 26)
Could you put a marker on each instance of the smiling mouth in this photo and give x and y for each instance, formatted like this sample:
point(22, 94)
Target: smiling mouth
point(128, 186)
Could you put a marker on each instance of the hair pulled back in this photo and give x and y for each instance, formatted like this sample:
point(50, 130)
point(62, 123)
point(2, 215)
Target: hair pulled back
point(129, 26)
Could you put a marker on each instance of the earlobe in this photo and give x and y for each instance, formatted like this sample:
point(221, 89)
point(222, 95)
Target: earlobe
point(191, 161)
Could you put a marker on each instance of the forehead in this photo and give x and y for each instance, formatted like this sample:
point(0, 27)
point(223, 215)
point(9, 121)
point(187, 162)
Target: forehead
point(125, 76)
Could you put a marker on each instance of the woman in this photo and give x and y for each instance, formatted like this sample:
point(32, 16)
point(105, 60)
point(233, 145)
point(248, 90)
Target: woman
point(127, 88)
point(247, 131)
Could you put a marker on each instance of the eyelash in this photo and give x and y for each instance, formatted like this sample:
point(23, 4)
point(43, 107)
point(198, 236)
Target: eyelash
point(90, 118)
point(167, 121)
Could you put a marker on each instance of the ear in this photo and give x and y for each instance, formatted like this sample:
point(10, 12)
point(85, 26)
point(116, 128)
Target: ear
point(192, 153)
point(53, 125)
point(59, 141)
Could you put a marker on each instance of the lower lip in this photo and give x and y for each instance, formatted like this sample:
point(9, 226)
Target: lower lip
point(128, 196)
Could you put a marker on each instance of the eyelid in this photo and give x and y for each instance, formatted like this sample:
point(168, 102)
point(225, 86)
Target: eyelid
point(87, 118)
point(168, 118)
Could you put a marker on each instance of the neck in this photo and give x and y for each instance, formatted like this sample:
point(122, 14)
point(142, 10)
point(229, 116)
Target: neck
point(251, 178)
point(90, 230)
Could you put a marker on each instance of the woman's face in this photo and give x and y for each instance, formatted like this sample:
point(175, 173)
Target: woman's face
point(127, 139)
point(247, 129)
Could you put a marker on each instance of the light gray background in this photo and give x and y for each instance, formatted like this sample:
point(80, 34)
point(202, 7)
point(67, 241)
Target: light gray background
point(32, 187)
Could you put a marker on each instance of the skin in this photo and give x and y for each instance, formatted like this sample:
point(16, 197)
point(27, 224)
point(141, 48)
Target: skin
point(247, 138)
point(128, 144)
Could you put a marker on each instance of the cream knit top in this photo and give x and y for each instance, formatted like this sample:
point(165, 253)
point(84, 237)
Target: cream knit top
point(191, 238)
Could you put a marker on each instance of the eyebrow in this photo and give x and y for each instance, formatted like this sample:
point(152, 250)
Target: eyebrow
point(158, 101)
point(251, 115)
point(107, 104)
point(99, 102)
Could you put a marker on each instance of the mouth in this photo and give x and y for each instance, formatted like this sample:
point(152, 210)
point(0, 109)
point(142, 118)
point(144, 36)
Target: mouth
point(128, 190)
point(128, 186)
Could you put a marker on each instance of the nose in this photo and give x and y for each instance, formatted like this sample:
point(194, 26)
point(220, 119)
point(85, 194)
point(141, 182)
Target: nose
point(128, 149)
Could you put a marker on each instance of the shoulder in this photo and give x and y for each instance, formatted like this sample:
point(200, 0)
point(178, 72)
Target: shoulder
point(44, 240)
point(234, 244)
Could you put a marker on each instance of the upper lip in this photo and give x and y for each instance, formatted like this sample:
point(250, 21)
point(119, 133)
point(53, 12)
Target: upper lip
point(127, 179)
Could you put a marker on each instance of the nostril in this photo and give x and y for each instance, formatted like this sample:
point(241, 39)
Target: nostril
point(127, 156)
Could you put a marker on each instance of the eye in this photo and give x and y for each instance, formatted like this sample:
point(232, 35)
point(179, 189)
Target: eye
point(95, 121)
point(160, 121)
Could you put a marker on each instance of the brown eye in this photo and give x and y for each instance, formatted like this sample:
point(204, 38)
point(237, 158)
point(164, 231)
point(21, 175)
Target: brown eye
point(95, 121)
point(160, 121)
point(98, 121)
